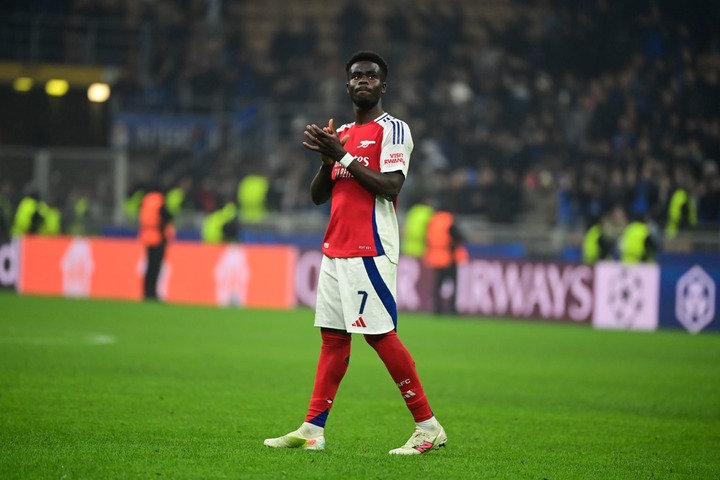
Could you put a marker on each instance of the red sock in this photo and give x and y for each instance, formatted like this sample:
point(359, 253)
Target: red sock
point(333, 363)
point(400, 364)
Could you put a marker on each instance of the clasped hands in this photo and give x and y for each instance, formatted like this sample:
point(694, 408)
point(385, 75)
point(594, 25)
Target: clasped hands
point(326, 141)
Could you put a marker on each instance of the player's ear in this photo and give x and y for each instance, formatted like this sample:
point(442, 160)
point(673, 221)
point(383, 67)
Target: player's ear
point(384, 88)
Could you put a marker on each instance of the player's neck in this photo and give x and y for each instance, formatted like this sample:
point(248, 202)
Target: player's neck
point(363, 116)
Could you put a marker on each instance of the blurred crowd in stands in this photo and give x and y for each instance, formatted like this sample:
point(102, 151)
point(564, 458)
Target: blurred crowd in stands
point(553, 112)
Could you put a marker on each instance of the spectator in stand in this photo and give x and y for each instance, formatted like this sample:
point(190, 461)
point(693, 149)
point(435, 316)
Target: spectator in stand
point(6, 211)
point(533, 85)
point(709, 197)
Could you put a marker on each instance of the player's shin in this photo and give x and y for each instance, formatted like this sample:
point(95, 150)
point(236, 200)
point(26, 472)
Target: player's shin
point(332, 365)
point(401, 366)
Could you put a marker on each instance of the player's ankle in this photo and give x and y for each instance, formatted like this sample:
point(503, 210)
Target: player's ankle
point(310, 430)
point(429, 425)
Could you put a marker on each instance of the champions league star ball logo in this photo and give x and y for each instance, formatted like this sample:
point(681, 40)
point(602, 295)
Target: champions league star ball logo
point(231, 277)
point(77, 268)
point(695, 299)
point(625, 297)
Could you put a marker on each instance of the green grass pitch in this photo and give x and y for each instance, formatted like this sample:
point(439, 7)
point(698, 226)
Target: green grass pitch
point(111, 390)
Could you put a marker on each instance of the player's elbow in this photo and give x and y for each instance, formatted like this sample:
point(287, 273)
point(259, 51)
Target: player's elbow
point(392, 184)
point(392, 192)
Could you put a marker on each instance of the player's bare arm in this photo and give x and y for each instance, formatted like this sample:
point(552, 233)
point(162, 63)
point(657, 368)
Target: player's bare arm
point(384, 184)
point(377, 183)
point(321, 186)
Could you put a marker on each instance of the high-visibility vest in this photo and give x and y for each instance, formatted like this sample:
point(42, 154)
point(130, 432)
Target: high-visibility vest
point(415, 232)
point(51, 224)
point(131, 205)
point(591, 245)
point(151, 231)
point(80, 209)
point(678, 200)
point(440, 252)
point(26, 209)
point(252, 193)
point(632, 245)
point(212, 229)
point(174, 200)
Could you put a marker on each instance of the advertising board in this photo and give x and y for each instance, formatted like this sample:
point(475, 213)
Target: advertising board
point(224, 274)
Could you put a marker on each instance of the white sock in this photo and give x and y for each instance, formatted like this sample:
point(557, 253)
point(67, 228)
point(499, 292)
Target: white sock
point(310, 430)
point(429, 425)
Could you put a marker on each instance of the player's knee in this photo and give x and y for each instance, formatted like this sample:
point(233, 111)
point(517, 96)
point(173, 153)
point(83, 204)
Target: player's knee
point(374, 340)
point(335, 338)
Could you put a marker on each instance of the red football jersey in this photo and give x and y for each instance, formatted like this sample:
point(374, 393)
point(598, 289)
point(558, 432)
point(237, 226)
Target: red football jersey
point(362, 224)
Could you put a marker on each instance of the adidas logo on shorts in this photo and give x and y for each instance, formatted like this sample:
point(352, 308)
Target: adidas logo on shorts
point(359, 323)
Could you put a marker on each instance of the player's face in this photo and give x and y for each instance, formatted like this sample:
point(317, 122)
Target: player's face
point(365, 84)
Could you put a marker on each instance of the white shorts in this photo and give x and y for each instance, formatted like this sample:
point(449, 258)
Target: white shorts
point(357, 295)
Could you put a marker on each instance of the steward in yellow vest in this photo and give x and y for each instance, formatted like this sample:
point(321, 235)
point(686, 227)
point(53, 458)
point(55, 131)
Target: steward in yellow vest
point(177, 197)
point(252, 195)
point(415, 231)
point(51, 219)
point(682, 212)
point(80, 209)
point(597, 245)
point(131, 204)
point(637, 243)
point(221, 225)
point(27, 216)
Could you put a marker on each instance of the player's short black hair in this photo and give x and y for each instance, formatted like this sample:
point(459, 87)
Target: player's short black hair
point(369, 56)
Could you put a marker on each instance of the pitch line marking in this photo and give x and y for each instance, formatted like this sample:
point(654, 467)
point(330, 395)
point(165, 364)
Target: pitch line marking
point(90, 339)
